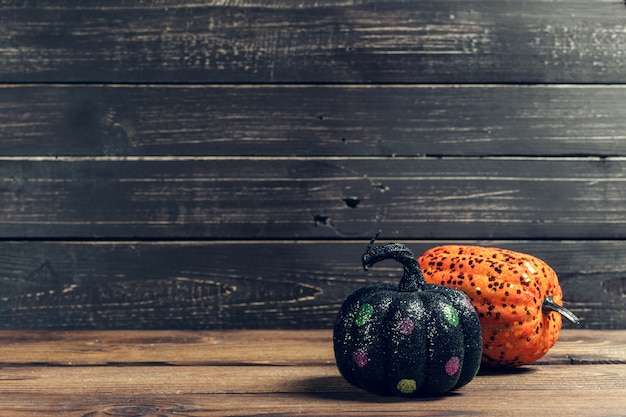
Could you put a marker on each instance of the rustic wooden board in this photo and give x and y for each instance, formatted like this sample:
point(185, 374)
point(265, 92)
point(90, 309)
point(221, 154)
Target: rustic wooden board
point(603, 398)
point(441, 198)
point(233, 348)
point(270, 373)
point(253, 285)
point(322, 41)
point(313, 120)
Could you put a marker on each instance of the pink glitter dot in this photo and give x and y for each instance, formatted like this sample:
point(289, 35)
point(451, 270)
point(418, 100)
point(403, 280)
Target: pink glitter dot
point(452, 366)
point(405, 326)
point(468, 304)
point(360, 358)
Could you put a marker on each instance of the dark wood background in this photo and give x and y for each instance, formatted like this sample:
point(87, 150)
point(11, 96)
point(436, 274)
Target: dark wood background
point(222, 164)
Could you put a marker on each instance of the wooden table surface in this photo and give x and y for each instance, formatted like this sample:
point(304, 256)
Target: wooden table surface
point(272, 373)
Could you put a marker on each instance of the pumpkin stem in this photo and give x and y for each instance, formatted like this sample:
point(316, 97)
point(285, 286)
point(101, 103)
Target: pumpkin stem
point(371, 244)
point(549, 305)
point(412, 280)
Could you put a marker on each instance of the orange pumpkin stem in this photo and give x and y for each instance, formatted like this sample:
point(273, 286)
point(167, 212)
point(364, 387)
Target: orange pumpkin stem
point(549, 305)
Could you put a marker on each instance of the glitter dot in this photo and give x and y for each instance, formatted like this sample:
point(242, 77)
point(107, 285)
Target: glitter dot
point(452, 366)
point(468, 304)
point(450, 314)
point(405, 326)
point(406, 386)
point(364, 314)
point(360, 358)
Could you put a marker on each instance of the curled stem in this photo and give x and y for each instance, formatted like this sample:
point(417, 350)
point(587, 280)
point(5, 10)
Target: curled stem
point(549, 305)
point(412, 279)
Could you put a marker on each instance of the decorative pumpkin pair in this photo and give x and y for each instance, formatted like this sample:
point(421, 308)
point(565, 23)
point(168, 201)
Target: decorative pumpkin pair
point(410, 340)
point(517, 297)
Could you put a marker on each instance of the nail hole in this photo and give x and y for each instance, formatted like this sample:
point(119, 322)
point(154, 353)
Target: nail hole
point(352, 202)
point(320, 219)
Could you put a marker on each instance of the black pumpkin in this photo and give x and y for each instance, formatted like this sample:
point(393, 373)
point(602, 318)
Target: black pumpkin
point(411, 340)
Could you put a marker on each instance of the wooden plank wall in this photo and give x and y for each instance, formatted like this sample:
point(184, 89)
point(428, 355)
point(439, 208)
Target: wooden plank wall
point(222, 164)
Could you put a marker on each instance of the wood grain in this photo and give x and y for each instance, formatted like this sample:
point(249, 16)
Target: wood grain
point(291, 373)
point(256, 41)
point(313, 120)
point(254, 285)
point(604, 400)
point(233, 348)
point(168, 381)
point(443, 198)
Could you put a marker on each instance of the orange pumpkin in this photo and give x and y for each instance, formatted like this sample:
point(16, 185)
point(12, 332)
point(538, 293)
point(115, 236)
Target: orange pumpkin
point(517, 297)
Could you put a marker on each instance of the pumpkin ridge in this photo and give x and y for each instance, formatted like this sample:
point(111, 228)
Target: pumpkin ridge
point(404, 339)
point(379, 301)
point(472, 335)
point(445, 342)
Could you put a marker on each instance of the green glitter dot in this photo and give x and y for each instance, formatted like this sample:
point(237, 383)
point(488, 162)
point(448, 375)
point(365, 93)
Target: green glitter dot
point(450, 314)
point(364, 314)
point(406, 386)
